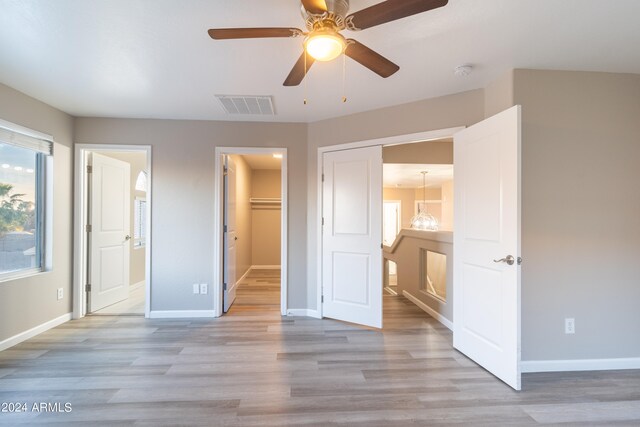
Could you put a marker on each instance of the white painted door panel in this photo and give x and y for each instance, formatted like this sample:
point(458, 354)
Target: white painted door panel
point(230, 237)
point(110, 219)
point(487, 228)
point(352, 236)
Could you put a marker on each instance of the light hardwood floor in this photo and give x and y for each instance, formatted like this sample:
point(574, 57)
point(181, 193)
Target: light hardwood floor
point(134, 305)
point(259, 290)
point(253, 367)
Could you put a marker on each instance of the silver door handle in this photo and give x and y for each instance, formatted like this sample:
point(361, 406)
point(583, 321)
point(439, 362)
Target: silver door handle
point(127, 237)
point(509, 259)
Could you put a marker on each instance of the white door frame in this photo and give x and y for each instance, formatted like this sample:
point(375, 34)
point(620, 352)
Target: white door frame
point(80, 249)
point(385, 142)
point(217, 286)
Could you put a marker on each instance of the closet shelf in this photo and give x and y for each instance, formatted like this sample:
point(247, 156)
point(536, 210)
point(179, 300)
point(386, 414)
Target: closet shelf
point(265, 201)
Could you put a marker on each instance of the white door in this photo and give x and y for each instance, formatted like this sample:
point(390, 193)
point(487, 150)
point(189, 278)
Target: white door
point(110, 236)
point(230, 237)
point(352, 236)
point(486, 248)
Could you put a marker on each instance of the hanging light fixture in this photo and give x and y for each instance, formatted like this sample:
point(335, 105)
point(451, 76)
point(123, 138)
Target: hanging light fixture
point(424, 220)
point(325, 44)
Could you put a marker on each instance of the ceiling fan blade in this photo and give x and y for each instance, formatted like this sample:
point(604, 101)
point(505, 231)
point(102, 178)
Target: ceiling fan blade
point(392, 10)
point(252, 33)
point(317, 7)
point(298, 72)
point(370, 59)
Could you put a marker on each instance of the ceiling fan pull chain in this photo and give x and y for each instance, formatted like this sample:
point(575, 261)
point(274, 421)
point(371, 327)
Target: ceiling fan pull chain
point(344, 78)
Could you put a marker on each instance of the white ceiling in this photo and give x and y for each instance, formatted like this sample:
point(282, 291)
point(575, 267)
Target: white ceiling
point(262, 161)
point(396, 175)
point(154, 59)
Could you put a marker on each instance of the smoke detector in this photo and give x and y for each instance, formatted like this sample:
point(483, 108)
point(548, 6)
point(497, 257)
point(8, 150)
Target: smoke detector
point(463, 70)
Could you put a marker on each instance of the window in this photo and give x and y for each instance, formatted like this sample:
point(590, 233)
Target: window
point(139, 222)
point(22, 203)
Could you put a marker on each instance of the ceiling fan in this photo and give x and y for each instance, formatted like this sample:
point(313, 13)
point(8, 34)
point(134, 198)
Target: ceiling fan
point(324, 20)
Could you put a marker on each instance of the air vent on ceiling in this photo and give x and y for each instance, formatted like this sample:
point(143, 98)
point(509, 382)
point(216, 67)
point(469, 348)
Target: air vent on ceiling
point(250, 105)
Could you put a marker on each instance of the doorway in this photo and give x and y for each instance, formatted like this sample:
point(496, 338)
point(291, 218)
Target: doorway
point(419, 177)
point(486, 301)
point(250, 228)
point(112, 230)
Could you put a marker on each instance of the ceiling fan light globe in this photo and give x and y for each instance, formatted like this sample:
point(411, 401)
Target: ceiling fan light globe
point(325, 46)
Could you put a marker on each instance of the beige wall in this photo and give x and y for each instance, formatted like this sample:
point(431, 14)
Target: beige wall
point(462, 109)
point(406, 196)
point(244, 227)
point(498, 95)
point(183, 175)
point(580, 151)
point(29, 302)
point(138, 163)
point(265, 248)
point(406, 254)
point(446, 223)
point(429, 152)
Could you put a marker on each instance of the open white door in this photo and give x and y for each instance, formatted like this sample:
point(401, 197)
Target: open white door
point(229, 274)
point(110, 238)
point(486, 248)
point(352, 236)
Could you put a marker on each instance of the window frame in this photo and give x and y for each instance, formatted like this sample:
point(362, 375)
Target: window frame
point(139, 242)
point(43, 196)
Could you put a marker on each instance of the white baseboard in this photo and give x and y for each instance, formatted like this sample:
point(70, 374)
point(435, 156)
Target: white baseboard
point(244, 276)
point(23, 336)
point(265, 267)
point(390, 291)
point(181, 314)
point(439, 317)
point(527, 366)
point(304, 312)
point(137, 285)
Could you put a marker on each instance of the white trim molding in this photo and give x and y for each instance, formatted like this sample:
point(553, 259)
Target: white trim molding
point(304, 312)
point(23, 336)
point(80, 247)
point(181, 314)
point(430, 311)
point(265, 267)
point(217, 270)
point(529, 366)
point(385, 142)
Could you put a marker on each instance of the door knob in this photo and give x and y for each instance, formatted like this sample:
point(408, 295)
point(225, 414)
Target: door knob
point(509, 259)
point(127, 237)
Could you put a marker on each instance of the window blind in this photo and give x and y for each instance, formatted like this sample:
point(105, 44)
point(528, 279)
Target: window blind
point(22, 137)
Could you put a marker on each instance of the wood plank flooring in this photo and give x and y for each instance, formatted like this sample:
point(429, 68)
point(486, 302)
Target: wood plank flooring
point(259, 290)
point(253, 367)
point(134, 305)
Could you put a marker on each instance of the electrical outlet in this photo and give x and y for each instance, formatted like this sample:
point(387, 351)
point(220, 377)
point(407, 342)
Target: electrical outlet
point(196, 288)
point(60, 293)
point(569, 326)
point(203, 288)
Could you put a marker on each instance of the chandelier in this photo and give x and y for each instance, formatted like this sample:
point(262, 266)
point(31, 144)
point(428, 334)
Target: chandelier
point(424, 220)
